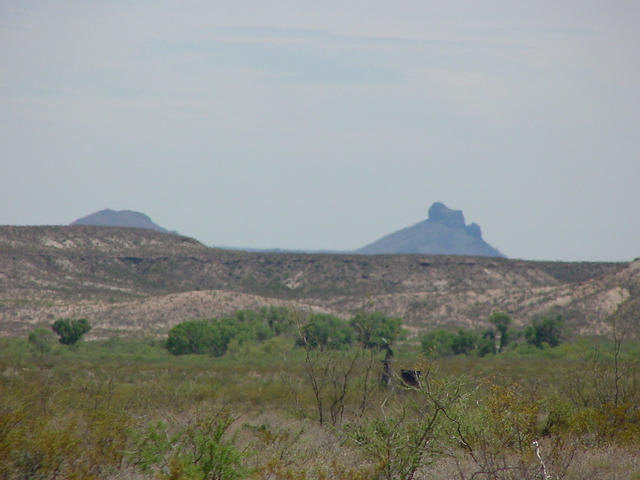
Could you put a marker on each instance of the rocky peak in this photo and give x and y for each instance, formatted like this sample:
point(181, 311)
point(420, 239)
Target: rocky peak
point(474, 230)
point(444, 233)
point(440, 213)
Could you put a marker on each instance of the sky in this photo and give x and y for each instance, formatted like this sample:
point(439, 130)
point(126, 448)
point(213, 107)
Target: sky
point(326, 125)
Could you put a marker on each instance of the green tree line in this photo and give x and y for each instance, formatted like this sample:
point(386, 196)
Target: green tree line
point(316, 330)
point(544, 331)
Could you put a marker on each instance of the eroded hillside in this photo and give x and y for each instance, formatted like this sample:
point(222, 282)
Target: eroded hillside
point(134, 280)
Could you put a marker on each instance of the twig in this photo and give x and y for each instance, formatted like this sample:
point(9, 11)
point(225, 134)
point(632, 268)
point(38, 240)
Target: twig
point(544, 468)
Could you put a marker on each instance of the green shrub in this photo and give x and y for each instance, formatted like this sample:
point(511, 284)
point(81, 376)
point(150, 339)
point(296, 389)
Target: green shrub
point(70, 330)
point(464, 342)
point(413, 430)
point(41, 340)
point(325, 331)
point(545, 329)
point(214, 335)
point(376, 330)
point(501, 321)
point(442, 343)
point(486, 343)
point(199, 336)
point(280, 320)
point(437, 343)
point(247, 326)
point(197, 452)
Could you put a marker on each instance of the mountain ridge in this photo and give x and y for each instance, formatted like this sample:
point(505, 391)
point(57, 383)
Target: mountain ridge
point(130, 281)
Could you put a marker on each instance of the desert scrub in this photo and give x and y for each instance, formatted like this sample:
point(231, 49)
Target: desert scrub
point(47, 431)
point(197, 451)
point(96, 411)
point(414, 426)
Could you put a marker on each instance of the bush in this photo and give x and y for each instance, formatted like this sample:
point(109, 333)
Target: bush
point(248, 325)
point(464, 342)
point(442, 343)
point(412, 432)
point(325, 331)
point(213, 335)
point(486, 343)
point(279, 319)
point(376, 330)
point(501, 321)
point(437, 343)
point(41, 340)
point(70, 330)
point(198, 451)
point(199, 336)
point(545, 329)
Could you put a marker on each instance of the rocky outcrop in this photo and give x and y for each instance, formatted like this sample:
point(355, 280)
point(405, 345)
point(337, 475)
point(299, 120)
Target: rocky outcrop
point(444, 233)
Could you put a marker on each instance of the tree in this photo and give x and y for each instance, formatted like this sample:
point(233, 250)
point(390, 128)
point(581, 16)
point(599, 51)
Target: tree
point(200, 336)
point(279, 319)
point(501, 321)
point(438, 343)
point(375, 330)
point(325, 331)
point(247, 326)
point(412, 430)
point(213, 336)
point(486, 343)
point(464, 342)
point(545, 329)
point(328, 362)
point(70, 330)
point(441, 342)
point(41, 339)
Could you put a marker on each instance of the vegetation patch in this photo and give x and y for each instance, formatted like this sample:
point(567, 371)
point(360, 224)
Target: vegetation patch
point(328, 401)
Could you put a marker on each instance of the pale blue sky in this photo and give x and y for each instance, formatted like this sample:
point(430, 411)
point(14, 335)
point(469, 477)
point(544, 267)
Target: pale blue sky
point(325, 125)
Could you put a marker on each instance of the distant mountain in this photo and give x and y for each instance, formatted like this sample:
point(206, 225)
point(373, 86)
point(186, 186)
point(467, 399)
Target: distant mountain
point(121, 218)
point(443, 233)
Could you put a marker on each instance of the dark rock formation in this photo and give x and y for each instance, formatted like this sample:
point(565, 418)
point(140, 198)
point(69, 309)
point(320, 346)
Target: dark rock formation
point(439, 213)
point(444, 232)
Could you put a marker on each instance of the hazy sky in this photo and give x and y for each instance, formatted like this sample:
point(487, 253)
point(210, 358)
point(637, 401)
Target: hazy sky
point(325, 125)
